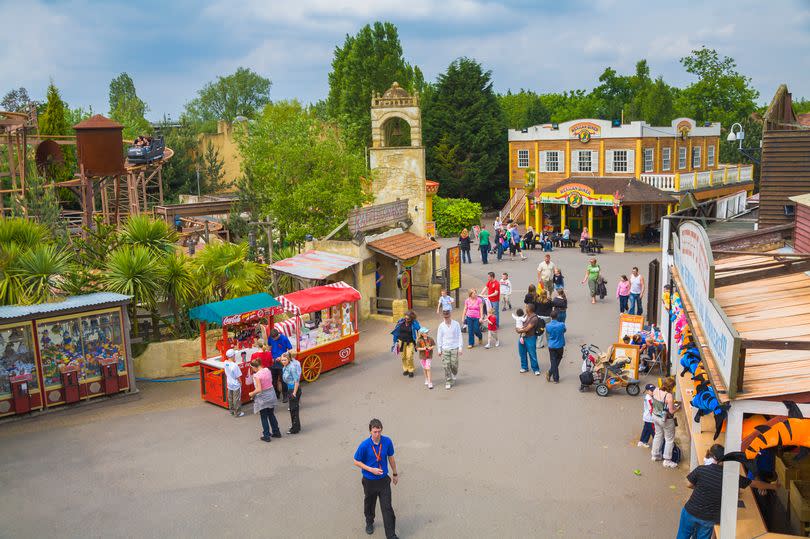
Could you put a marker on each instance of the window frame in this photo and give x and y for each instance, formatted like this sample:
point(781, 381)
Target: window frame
point(651, 152)
point(666, 159)
point(616, 154)
point(555, 161)
point(682, 157)
point(710, 155)
point(580, 155)
point(697, 153)
point(520, 157)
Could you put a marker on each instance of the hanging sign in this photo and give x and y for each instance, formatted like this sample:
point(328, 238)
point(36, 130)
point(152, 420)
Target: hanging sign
point(251, 316)
point(576, 195)
point(584, 131)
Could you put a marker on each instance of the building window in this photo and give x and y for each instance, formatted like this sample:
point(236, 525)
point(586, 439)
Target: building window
point(666, 158)
point(620, 161)
point(523, 158)
point(696, 157)
point(681, 157)
point(553, 161)
point(584, 161)
point(710, 156)
point(649, 159)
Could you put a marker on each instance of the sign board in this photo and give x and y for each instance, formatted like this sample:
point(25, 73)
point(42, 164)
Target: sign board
point(584, 131)
point(453, 268)
point(695, 265)
point(430, 229)
point(576, 195)
point(629, 352)
point(630, 324)
point(377, 216)
point(369, 266)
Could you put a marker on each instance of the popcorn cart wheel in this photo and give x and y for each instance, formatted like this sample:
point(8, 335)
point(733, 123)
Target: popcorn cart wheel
point(311, 368)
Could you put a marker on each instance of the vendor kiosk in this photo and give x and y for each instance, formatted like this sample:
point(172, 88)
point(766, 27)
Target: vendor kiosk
point(322, 326)
point(243, 317)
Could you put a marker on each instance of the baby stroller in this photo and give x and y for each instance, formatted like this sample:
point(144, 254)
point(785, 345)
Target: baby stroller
point(610, 375)
point(590, 357)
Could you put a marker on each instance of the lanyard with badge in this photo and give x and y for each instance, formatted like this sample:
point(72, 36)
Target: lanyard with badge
point(377, 453)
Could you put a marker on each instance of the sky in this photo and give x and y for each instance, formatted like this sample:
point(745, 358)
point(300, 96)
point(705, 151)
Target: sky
point(172, 48)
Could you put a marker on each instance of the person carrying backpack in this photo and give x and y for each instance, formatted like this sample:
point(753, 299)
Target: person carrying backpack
point(532, 328)
point(663, 417)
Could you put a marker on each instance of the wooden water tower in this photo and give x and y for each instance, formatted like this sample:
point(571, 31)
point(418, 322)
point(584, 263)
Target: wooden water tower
point(101, 146)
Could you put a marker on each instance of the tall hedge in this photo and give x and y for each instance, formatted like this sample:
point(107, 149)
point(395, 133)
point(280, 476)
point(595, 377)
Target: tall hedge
point(453, 214)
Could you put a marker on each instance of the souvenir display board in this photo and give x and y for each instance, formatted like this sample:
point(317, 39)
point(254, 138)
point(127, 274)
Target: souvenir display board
point(64, 352)
point(81, 340)
point(630, 324)
point(18, 358)
point(629, 352)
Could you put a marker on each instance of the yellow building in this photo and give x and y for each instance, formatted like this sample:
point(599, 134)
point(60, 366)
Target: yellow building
point(561, 174)
point(224, 143)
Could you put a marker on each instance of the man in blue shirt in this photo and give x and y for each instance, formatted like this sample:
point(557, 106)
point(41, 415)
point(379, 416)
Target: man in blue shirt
point(279, 345)
point(373, 456)
point(555, 332)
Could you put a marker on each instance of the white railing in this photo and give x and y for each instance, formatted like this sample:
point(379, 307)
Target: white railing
point(664, 182)
point(688, 181)
point(746, 173)
point(704, 179)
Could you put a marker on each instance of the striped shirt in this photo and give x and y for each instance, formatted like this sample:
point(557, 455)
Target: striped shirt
point(705, 500)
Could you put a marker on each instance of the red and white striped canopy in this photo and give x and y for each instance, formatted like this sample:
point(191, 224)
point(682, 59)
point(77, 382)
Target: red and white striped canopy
point(286, 327)
point(318, 297)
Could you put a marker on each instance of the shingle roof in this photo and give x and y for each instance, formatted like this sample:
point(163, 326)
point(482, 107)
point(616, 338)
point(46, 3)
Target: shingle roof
point(630, 189)
point(73, 302)
point(403, 246)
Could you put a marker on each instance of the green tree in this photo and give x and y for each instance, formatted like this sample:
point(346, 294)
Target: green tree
point(153, 234)
point(179, 286)
point(127, 108)
point(15, 100)
point(133, 270)
point(655, 104)
point(523, 109)
point(39, 202)
point(212, 170)
point(301, 173)
point(43, 268)
point(242, 93)
point(368, 62)
point(179, 172)
point(54, 120)
point(572, 105)
point(223, 271)
point(463, 133)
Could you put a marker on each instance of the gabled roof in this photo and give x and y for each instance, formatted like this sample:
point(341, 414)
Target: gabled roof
point(403, 246)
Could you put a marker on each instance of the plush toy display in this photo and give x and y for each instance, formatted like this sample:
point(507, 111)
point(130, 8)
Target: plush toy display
point(793, 430)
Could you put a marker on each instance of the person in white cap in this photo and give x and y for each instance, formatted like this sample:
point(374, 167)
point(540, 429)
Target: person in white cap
point(233, 375)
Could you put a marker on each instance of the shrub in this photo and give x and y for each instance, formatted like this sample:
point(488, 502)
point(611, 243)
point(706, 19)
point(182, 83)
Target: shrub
point(453, 214)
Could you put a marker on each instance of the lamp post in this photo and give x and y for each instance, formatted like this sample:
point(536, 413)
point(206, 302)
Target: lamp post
point(739, 136)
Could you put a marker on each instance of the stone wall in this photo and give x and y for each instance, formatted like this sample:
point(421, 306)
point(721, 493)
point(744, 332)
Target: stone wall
point(165, 359)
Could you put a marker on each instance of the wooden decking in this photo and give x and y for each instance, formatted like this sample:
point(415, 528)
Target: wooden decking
point(774, 309)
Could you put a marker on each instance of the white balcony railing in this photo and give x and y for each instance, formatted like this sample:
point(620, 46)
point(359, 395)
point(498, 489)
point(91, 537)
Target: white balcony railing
point(687, 181)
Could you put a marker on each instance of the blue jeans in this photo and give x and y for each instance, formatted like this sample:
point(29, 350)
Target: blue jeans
point(635, 304)
point(473, 330)
point(269, 420)
point(691, 527)
point(500, 251)
point(465, 256)
point(528, 348)
point(484, 247)
point(623, 300)
point(497, 312)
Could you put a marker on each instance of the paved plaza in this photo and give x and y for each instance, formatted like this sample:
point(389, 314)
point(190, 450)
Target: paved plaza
point(502, 454)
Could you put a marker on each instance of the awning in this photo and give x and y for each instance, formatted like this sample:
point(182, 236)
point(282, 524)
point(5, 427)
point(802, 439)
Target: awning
point(403, 246)
point(314, 265)
point(238, 310)
point(318, 297)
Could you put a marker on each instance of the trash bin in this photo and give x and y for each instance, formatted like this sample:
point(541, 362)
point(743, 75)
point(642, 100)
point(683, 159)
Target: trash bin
point(618, 243)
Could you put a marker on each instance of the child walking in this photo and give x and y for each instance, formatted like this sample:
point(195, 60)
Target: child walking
point(506, 291)
point(648, 430)
point(492, 329)
point(558, 282)
point(446, 302)
point(425, 345)
point(520, 319)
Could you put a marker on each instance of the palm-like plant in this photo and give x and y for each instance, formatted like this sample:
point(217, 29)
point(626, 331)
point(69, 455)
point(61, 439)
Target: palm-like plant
point(22, 232)
point(42, 269)
point(12, 288)
point(133, 270)
point(178, 283)
point(156, 235)
point(223, 272)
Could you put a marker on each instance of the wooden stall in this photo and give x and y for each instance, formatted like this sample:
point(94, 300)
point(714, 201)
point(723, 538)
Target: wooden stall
point(241, 320)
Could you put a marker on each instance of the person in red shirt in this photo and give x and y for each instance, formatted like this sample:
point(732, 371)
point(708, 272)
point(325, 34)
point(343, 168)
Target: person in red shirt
point(492, 327)
point(264, 355)
point(492, 292)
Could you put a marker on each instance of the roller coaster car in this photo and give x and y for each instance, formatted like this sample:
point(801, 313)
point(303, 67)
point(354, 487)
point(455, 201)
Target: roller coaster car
point(141, 155)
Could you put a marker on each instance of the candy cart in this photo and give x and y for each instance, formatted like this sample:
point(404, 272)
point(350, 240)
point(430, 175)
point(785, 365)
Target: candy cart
point(322, 324)
point(242, 320)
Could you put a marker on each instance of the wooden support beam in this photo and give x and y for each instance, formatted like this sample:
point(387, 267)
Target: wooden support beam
point(775, 345)
point(748, 276)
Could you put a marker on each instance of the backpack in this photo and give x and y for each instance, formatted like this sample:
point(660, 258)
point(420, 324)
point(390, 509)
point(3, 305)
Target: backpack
point(586, 378)
point(676, 453)
point(539, 327)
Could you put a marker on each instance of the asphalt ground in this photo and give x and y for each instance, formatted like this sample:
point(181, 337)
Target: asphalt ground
point(502, 454)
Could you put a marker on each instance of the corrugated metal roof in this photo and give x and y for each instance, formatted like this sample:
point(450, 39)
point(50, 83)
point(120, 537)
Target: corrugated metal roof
point(73, 302)
point(315, 264)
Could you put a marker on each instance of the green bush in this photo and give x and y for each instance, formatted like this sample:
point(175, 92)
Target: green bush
point(453, 214)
